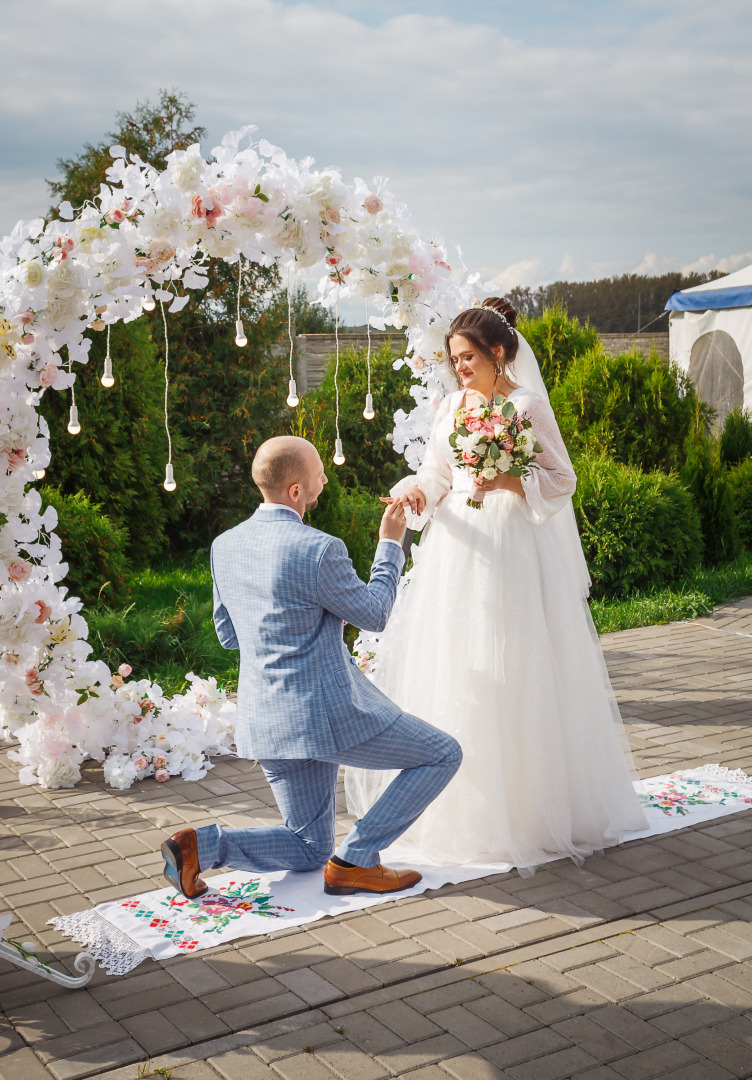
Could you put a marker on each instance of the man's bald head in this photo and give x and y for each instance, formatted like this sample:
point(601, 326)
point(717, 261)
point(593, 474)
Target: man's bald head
point(281, 462)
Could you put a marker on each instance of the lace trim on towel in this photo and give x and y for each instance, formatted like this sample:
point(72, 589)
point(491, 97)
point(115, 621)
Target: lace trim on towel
point(116, 952)
point(729, 776)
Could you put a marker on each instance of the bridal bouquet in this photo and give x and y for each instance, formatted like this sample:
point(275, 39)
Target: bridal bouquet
point(493, 438)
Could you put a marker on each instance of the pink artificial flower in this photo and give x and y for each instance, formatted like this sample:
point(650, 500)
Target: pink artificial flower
point(201, 697)
point(469, 459)
point(161, 775)
point(440, 262)
point(19, 570)
point(160, 761)
point(15, 458)
point(333, 259)
point(197, 207)
point(114, 217)
point(125, 670)
point(27, 339)
point(141, 762)
point(419, 363)
point(48, 375)
point(214, 212)
point(146, 266)
point(44, 611)
point(332, 215)
point(147, 706)
point(33, 681)
point(373, 204)
point(27, 316)
point(116, 682)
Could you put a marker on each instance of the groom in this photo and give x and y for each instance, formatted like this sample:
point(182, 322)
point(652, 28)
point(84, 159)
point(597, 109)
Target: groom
point(281, 594)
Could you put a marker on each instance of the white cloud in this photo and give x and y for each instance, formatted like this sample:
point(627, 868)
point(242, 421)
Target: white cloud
point(527, 272)
point(728, 264)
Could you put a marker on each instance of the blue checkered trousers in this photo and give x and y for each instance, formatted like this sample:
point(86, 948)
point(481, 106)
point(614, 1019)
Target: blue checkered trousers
point(281, 593)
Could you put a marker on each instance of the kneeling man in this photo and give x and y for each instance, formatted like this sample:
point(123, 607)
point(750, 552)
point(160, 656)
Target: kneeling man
point(281, 593)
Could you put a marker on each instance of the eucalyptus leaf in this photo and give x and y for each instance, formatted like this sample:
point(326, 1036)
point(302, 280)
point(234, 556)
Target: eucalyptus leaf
point(508, 410)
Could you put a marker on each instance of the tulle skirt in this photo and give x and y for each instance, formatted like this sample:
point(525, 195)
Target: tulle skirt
point(493, 642)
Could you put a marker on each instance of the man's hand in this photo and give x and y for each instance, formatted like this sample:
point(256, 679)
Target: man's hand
point(393, 523)
point(414, 498)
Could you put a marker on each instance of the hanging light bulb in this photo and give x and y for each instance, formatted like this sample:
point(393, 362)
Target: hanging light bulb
point(339, 457)
point(108, 379)
point(73, 425)
point(240, 338)
point(39, 474)
point(368, 412)
point(149, 303)
point(292, 397)
point(169, 480)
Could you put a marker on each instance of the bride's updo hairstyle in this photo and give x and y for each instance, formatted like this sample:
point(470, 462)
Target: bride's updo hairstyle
point(486, 327)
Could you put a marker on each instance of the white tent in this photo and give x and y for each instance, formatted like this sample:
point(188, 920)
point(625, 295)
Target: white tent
point(710, 337)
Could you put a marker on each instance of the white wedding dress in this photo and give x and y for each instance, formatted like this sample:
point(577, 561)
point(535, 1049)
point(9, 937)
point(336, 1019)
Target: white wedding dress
point(492, 641)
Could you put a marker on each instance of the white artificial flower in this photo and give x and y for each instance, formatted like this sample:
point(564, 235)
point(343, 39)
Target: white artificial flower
point(59, 772)
point(187, 167)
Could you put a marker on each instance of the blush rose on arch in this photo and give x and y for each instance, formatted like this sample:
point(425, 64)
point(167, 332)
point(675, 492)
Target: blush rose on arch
point(143, 241)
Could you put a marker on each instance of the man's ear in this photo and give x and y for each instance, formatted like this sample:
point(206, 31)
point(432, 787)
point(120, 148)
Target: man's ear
point(293, 492)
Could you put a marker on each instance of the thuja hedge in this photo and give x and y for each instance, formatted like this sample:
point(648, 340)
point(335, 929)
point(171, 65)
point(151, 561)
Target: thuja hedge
point(639, 530)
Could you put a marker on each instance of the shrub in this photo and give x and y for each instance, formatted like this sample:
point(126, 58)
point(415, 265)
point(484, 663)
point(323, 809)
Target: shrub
point(706, 478)
point(638, 530)
point(740, 482)
point(370, 461)
point(94, 548)
point(119, 457)
point(735, 442)
point(556, 339)
point(636, 410)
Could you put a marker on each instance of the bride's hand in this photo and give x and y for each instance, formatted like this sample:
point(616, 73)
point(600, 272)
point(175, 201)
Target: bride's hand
point(501, 480)
point(414, 498)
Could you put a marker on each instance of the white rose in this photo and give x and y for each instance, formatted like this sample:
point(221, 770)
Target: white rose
point(397, 271)
point(503, 461)
point(489, 473)
point(410, 291)
point(187, 169)
point(32, 274)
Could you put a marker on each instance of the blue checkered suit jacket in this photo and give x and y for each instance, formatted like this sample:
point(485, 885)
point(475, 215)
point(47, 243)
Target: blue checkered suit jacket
point(281, 592)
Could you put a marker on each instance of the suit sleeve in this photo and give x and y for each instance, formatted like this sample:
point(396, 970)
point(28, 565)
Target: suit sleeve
point(222, 621)
point(341, 591)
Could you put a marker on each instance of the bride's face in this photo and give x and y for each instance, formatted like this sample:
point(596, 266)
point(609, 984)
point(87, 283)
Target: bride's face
point(472, 367)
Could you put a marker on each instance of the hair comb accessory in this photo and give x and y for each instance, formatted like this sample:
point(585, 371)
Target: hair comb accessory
point(487, 307)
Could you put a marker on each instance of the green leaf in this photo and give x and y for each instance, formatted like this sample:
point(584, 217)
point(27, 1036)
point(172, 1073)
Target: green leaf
point(508, 410)
point(494, 451)
point(537, 448)
point(516, 470)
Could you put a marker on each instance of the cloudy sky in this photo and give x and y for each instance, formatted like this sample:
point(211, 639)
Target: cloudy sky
point(548, 138)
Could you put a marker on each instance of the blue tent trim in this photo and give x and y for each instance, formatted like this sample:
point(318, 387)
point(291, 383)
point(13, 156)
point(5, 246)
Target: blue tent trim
point(710, 299)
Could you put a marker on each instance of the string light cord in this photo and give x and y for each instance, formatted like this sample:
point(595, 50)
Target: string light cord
point(240, 338)
point(292, 395)
point(339, 457)
point(368, 412)
point(169, 482)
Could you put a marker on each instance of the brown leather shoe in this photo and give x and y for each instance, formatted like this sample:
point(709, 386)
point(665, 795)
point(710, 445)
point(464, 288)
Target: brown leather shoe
point(180, 854)
point(345, 880)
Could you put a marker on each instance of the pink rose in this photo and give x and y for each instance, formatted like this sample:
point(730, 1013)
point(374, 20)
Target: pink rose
point(48, 375)
point(114, 217)
point(44, 611)
point(15, 458)
point(160, 761)
point(419, 363)
point(19, 570)
point(161, 775)
point(33, 681)
point(469, 459)
point(27, 316)
point(141, 762)
point(373, 204)
point(146, 266)
point(125, 670)
point(332, 215)
point(27, 339)
point(333, 259)
point(472, 423)
point(147, 706)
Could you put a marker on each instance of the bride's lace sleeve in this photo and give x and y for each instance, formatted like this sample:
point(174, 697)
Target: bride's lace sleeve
point(549, 488)
point(434, 475)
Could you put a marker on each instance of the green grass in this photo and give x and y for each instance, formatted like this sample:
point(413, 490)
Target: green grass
point(695, 596)
point(167, 629)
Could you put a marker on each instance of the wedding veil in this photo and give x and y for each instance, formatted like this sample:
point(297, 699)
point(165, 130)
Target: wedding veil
point(525, 371)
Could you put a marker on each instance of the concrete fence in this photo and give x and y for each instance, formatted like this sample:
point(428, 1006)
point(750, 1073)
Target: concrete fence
point(313, 350)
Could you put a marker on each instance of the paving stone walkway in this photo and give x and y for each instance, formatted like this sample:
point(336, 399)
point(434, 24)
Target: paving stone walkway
point(637, 965)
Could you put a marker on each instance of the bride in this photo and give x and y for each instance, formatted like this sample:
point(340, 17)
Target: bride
point(492, 640)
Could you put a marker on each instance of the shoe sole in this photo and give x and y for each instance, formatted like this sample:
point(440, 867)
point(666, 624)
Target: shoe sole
point(173, 870)
point(349, 890)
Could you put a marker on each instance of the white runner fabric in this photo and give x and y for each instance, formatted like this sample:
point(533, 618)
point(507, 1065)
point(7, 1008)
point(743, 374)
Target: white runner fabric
point(122, 933)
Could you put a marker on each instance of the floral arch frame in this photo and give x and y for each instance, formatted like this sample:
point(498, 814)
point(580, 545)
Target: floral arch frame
point(144, 240)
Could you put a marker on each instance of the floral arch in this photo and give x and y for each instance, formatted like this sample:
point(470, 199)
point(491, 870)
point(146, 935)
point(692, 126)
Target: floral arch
point(143, 241)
